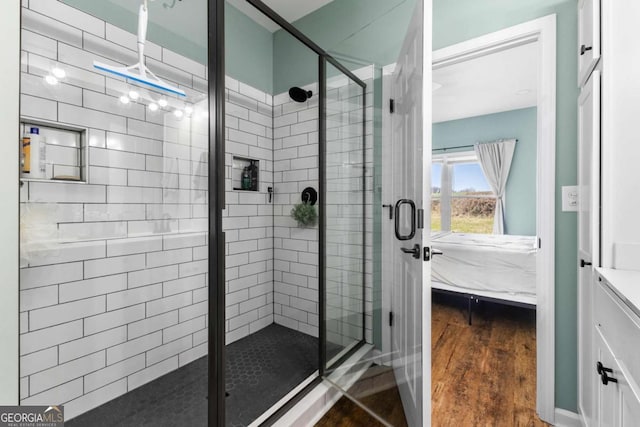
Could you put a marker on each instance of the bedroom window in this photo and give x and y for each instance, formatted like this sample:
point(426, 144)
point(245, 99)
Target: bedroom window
point(461, 198)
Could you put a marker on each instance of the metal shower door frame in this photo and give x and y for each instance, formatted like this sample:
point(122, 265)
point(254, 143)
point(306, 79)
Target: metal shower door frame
point(216, 203)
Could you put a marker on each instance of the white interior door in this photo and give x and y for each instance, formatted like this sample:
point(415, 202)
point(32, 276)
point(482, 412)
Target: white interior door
point(411, 283)
point(588, 238)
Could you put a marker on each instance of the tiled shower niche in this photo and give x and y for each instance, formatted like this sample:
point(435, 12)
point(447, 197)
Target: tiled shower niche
point(245, 174)
point(61, 150)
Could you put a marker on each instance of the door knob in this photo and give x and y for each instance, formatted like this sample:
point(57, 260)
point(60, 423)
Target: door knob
point(415, 251)
point(436, 252)
point(583, 263)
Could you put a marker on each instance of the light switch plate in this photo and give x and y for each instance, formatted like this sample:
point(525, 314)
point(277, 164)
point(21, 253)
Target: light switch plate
point(570, 198)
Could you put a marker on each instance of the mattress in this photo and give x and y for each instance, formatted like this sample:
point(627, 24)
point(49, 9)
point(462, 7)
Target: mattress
point(499, 266)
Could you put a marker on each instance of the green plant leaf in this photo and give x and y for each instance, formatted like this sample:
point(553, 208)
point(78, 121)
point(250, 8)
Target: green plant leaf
point(305, 214)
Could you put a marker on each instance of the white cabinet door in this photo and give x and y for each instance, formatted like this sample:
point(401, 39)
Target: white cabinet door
point(607, 392)
point(618, 395)
point(588, 238)
point(629, 401)
point(588, 38)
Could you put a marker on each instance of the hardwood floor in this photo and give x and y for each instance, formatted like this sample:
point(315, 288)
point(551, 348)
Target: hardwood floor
point(483, 374)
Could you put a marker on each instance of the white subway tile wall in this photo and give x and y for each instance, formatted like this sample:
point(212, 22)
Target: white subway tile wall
point(296, 249)
point(248, 221)
point(295, 167)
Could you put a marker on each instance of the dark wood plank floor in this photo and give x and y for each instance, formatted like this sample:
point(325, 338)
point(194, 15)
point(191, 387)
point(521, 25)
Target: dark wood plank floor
point(482, 375)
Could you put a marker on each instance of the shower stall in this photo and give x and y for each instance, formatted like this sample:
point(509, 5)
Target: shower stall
point(187, 260)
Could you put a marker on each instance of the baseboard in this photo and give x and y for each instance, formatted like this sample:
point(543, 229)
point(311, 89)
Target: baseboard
point(566, 418)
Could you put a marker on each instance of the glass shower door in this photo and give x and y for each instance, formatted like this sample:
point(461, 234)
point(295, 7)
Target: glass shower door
point(344, 218)
point(391, 387)
point(114, 212)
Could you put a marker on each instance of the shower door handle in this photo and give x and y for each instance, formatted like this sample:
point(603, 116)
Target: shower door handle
point(412, 233)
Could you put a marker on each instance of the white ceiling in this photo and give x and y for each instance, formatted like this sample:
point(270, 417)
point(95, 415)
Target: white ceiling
point(489, 84)
point(290, 10)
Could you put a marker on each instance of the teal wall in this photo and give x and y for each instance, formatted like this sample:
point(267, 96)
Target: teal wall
point(364, 31)
point(520, 210)
point(456, 21)
point(248, 50)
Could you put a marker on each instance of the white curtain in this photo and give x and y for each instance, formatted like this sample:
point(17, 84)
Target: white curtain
point(495, 159)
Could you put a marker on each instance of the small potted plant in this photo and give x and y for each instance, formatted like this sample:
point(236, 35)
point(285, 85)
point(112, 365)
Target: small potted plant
point(305, 214)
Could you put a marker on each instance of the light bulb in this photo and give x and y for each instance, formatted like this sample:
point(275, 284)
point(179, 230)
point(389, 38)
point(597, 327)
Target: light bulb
point(163, 103)
point(188, 110)
point(58, 72)
point(178, 113)
point(134, 95)
point(124, 99)
point(153, 106)
point(51, 80)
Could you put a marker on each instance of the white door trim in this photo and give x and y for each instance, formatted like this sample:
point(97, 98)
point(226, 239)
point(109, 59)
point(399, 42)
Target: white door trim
point(427, 145)
point(544, 31)
point(9, 191)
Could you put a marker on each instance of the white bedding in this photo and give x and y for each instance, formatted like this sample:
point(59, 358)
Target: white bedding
point(498, 266)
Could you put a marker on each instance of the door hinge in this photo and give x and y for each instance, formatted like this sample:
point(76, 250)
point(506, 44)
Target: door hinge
point(391, 318)
point(392, 106)
point(539, 243)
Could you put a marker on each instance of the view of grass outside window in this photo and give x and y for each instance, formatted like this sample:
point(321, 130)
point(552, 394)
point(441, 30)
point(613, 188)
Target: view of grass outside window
point(466, 195)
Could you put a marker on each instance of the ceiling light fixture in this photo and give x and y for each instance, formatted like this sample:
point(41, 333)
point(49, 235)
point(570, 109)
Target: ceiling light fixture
point(178, 113)
point(163, 102)
point(153, 106)
point(134, 95)
point(124, 99)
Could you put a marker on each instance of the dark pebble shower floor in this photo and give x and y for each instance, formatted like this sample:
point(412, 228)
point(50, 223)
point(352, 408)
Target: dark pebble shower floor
point(260, 370)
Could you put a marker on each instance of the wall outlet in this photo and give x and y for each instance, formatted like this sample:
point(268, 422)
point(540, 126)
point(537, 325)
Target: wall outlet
point(570, 198)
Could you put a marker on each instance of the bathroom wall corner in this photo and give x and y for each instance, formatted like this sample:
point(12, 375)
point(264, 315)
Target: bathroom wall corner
point(9, 217)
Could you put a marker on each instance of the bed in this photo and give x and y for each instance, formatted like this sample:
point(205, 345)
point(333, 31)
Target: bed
point(486, 267)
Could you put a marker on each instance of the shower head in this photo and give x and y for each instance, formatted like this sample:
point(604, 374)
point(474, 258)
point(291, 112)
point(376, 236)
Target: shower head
point(299, 95)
